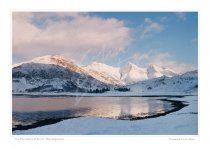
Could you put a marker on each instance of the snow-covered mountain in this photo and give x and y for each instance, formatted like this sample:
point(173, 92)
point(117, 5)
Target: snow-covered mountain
point(127, 74)
point(154, 71)
point(55, 60)
point(132, 73)
point(180, 83)
point(104, 73)
point(53, 73)
point(56, 73)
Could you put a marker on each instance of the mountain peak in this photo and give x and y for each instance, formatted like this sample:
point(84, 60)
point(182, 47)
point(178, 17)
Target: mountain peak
point(130, 66)
point(132, 73)
point(94, 63)
point(101, 66)
point(154, 67)
point(48, 59)
point(154, 71)
point(104, 73)
point(159, 68)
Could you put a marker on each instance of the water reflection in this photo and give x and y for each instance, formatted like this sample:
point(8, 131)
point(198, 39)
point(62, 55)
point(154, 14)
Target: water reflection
point(28, 111)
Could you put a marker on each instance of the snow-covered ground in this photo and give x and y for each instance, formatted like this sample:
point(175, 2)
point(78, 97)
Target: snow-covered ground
point(109, 94)
point(182, 122)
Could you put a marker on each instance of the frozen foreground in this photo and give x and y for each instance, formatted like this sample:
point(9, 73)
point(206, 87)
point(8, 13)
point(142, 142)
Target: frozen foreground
point(182, 122)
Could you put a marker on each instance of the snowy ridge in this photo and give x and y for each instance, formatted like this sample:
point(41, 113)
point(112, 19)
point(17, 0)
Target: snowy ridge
point(180, 83)
point(128, 74)
point(54, 60)
point(48, 59)
point(104, 73)
point(132, 73)
point(154, 71)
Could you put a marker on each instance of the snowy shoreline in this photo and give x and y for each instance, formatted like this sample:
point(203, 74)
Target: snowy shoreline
point(109, 94)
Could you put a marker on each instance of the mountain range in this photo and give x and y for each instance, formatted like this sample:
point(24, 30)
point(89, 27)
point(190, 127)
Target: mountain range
point(187, 82)
point(54, 73)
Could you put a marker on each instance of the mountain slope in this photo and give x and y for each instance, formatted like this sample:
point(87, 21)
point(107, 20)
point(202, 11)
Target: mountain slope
point(52, 73)
point(104, 73)
point(180, 83)
point(154, 71)
point(55, 60)
point(132, 73)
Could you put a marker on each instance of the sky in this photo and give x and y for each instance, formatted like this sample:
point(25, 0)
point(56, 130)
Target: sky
point(166, 39)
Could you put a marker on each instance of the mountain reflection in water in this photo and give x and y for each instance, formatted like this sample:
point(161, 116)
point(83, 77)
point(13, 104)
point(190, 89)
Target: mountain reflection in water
point(28, 111)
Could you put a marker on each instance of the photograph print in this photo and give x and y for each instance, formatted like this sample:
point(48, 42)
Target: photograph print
point(104, 73)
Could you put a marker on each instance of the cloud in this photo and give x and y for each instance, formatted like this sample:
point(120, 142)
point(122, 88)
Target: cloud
point(181, 16)
point(149, 27)
point(36, 34)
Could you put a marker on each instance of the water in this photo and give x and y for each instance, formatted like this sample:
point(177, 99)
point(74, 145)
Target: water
point(30, 112)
